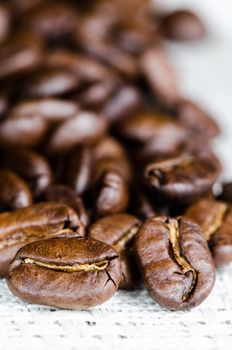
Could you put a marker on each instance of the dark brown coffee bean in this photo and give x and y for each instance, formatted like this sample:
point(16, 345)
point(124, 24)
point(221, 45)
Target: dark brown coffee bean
point(184, 178)
point(19, 54)
point(30, 224)
point(196, 119)
point(125, 101)
point(182, 25)
point(32, 167)
point(119, 231)
point(14, 192)
point(215, 220)
point(70, 273)
point(160, 75)
point(84, 128)
point(78, 169)
point(50, 82)
point(64, 194)
point(22, 130)
point(111, 193)
point(226, 194)
point(52, 20)
point(175, 261)
point(108, 147)
point(4, 22)
point(50, 109)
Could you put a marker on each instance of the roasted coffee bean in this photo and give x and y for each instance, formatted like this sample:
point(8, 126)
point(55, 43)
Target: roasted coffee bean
point(22, 130)
point(226, 194)
point(120, 165)
point(64, 194)
point(14, 192)
point(50, 82)
point(162, 134)
point(78, 169)
point(49, 109)
point(25, 225)
point(125, 101)
point(52, 20)
point(4, 22)
point(175, 261)
point(108, 147)
point(111, 193)
point(70, 273)
point(196, 119)
point(19, 54)
point(184, 178)
point(215, 220)
point(160, 75)
point(84, 128)
point(32, 167)
point(182, 25)
point(119, 231)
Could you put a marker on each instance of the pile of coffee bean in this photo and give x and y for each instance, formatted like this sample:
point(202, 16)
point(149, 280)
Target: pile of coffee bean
point(106, 169)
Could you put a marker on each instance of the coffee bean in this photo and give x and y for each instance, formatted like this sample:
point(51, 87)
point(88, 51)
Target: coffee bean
point(108, 148)
point(84, 128)
point(119, 231)
point(183, 178)
point(32, 167)
point(182, 25)
point(175, 261)
point(160, 75)
point(215, 220)
point(14, 192)
point(64, 194)
point(49, 109)
point(30, 224)
point(4, 22)
point(78, 169)
point(70, 273)
point(196, 119)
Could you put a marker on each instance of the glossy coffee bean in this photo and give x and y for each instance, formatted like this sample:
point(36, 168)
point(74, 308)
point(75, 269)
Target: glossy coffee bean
point(184, 178)
point(215, 220)
point(50, 82)
point(64, 194)
point(22, 130)
point(160, 76)
point(182, 25)
point(14, 192)
point(193, 117)
point(111, 193)
point(31, 166)
point(84, 128)
point(78, 169)
point(70, 273)
point(49, 109)
point(30, 224)
point(175, 261)
point(119, 231)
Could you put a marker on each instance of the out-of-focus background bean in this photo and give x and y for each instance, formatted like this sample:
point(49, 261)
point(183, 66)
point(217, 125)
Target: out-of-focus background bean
point(205, 67)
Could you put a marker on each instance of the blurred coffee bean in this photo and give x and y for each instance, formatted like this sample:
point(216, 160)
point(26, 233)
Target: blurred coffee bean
point(182, 25)
point(215, 220)
point(160, 75)
point(109, 148)
point(119, 231)
point(32, 167)
point(125, 101)
point(22, 130)
point(77, 169)
point(4, 22)
point(49, 109)
point(196, 119)
point(84, 128)
point(226, 194)
point(182, 179)
point(14, 192)
point(50, 82)
point(54, 20)
point(4, 103)
point(64, 194)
